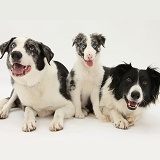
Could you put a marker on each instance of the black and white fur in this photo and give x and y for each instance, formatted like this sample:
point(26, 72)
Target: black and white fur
point(126, 92)
point(84, 80)
point(39, 84)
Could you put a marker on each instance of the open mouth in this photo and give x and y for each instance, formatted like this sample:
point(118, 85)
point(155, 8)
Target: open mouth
point(19, 69)
point(89, 63)
point(131, 104)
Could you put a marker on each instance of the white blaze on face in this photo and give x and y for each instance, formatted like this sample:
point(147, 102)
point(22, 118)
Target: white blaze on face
point(134, 88)
point(26, 59)
point(89, 53)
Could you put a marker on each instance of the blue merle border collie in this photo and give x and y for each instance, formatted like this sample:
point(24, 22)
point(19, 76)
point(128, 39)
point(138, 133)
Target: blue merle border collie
point(39, 84)
point(126, 92)
point(85, 78)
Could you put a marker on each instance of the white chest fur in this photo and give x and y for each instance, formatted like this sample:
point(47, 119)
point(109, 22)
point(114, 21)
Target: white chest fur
point(88, 79)
point(45, 94)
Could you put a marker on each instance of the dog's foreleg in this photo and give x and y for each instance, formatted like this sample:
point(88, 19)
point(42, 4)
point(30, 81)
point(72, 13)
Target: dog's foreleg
point(118, 119)
point(76, 99)
point(7, 104)
point(29, 123)
point(60, 114)
point(95, 104)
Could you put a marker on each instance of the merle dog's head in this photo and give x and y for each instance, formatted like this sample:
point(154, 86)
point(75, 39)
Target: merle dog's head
point(88, 47)
point(137, 87)
point(25, 55)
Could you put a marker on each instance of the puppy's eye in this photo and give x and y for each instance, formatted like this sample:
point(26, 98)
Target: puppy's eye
point(144, 82)
point(129, 80)
point(83, 46)
point(13, 45)
point(94, 46)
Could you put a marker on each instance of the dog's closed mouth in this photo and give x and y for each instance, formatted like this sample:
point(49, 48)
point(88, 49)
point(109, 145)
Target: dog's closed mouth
point(89, 63)
point(19, 69)
point(131, 104)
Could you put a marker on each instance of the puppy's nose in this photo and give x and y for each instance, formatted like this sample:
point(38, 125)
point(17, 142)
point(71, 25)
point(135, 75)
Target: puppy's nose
point(16, 55)
point(90, 56)
point(135, 95)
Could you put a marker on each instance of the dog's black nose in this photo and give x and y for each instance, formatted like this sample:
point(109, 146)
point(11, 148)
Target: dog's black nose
point(135, 95)
point(16, 55)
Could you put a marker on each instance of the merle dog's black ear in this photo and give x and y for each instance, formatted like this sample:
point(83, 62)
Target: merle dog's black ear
point(47, 52)
point(117, 73)
point(100, 38)
point(155, 83)
point(5, 46)
point(78, 38)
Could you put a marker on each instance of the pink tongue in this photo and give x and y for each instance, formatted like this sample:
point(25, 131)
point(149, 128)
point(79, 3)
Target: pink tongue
point(132, 103)
point(89, 63)
point(17, 69)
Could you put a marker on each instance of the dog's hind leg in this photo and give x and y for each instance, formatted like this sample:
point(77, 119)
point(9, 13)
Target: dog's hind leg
point(6, 105)
point(67, 111)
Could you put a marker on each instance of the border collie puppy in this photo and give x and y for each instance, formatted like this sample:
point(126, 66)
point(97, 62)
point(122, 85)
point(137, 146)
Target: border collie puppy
point(39, 84)
point(126, 92)
point(84, 80)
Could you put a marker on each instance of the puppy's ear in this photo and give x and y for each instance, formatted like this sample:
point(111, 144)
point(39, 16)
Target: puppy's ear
point(155, 83)
point(78, 38)
point(100, 38)
point(47, 52)
point(5, 46)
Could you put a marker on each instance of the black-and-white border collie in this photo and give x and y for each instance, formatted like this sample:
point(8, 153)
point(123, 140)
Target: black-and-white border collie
point(84, 80)
point(126, 92)
point(39, 84)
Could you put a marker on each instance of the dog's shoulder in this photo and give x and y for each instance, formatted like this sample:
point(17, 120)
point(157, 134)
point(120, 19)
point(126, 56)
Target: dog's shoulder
point(62, 70)
point(62, 73)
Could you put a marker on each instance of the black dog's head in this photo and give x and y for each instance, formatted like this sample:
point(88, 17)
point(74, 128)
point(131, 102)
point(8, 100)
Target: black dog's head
point(137, 87)
point(25, 55)
point(88, 47)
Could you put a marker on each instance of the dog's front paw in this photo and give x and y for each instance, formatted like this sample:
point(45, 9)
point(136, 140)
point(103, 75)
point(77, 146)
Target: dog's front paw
point(130, 120)
point(4, 110)
point(80, 115)
point(85, 112)
point(56, 126)
point(4, 113)
point(29, 125)
point(121, 123)
point(101, 117)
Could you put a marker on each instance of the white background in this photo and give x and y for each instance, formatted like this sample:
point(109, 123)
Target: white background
point(132, 32)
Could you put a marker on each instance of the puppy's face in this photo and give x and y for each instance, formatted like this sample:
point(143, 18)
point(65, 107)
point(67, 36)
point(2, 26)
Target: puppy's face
point(88, 47)
point(25, 56)
point(136, 87)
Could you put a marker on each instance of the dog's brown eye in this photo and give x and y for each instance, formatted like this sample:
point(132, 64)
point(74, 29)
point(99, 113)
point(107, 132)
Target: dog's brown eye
point(129, 80)
point(144, 82)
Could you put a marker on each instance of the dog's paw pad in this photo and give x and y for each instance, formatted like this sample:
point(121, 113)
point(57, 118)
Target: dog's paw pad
point(29, 126)
point(121, 124)
point(56, 126)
